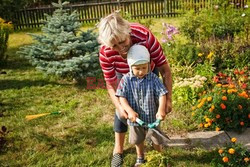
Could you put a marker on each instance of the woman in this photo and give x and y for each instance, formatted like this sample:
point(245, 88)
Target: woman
point(116, 36)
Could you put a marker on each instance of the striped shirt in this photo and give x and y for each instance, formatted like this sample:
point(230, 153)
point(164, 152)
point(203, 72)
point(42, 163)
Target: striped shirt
point(142, 95)
point(111, 61)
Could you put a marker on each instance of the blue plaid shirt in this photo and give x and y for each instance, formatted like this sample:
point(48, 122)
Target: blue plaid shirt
point(142, 95)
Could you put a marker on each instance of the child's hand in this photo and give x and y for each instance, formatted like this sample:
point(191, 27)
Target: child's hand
point(132, 116)
point(160, 115)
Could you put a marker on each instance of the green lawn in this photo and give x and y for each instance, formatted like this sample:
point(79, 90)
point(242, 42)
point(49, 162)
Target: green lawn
point(82, 134)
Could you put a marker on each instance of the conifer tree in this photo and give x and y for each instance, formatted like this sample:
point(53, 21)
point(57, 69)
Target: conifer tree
point(61, 50)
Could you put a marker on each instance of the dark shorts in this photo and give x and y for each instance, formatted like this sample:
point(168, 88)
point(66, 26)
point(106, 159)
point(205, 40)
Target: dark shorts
point(120, 124)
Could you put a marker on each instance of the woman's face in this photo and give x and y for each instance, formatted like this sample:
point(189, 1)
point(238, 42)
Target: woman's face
point(122, 46)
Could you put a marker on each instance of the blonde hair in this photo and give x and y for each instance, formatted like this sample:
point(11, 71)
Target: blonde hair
point(113, 27)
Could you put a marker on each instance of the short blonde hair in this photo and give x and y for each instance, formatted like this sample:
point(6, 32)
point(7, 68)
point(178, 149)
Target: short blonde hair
point(113, 27)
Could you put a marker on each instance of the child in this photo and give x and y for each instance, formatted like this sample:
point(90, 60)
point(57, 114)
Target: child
point(143, 96)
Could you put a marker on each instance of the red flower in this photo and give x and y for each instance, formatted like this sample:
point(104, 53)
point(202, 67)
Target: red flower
point(223, 106)
point(236, 71)
point(244, 86)
point(216, 79)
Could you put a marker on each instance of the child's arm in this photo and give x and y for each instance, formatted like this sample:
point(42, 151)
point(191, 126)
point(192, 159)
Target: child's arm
point(132, 115)
point(161, 114)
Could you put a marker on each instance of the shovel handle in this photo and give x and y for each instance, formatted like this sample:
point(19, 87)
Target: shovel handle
point(152, 125)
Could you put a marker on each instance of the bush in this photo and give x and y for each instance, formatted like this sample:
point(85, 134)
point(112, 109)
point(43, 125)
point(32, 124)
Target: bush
point(226, 106)
point(232, 155)
point(187, 89)
point(5, 29)
point(222, 30)
point(61, 51)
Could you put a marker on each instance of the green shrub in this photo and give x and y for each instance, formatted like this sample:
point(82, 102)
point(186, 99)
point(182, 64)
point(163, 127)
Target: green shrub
point(5, 29)
point(232, 155)
point(226, 106)
point(61, 50)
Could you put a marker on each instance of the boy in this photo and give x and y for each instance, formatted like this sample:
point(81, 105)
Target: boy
point(143, 96)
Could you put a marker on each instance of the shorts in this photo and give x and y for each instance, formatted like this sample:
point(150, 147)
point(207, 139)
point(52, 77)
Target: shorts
point(137, 135)
point(120, 124)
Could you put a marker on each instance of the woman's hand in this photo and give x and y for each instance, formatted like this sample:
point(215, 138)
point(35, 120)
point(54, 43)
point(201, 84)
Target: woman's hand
point(161, 115)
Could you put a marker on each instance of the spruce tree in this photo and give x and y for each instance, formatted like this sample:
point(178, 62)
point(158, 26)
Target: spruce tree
point(61, 50)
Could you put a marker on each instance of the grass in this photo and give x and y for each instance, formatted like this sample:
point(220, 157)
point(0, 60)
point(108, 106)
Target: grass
point(82, 134)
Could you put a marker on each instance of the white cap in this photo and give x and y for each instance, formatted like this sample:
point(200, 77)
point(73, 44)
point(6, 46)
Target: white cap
point(138, 54)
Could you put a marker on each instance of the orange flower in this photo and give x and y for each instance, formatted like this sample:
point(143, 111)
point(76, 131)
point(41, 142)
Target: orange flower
point(217, 129)
point(201, 125)
point(218, 116)
point(233, 140)
point(248, 116)
point(236, 71)
point(242, 72)
point(220, 151)
point(246, 159)
point(225, 159)
point(231, 151)
point(239, 107)
point(212, 107)
point(210, 110)
point(223, 106)
point(224, 98)
point(242, 123)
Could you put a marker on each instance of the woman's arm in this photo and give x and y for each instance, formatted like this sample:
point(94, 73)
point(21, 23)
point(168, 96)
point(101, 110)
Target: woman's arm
point(112, 90)
point(162, 108)
point(167, 81)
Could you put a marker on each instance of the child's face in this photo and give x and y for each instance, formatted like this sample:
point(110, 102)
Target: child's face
point(140, 70)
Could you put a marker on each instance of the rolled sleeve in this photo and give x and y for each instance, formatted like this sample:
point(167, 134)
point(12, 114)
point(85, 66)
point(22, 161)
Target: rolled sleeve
point(160, 89)
point(121, 90)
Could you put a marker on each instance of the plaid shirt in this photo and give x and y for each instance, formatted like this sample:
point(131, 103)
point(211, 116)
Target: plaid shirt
point(142, 95)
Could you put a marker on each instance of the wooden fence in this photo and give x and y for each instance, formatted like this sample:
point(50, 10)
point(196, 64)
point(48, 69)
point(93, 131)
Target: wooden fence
point(92, 12)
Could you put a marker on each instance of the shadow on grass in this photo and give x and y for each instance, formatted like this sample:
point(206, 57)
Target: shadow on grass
point(19, 84)
point(204, 157)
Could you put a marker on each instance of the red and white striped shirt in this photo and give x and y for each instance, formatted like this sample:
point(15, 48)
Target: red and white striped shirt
point(111, 62)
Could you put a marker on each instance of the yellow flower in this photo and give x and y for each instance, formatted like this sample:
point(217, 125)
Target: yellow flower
point(208, 120)
point(217, 129)
point(193, 108)
point(209, 56)
point(192, 114)
point(209, 98)
point(218, 85)
point(233, 140)
point(212, 107)
point(206, 125)
point(231, 151)
point(200, 54)
point(229, 91)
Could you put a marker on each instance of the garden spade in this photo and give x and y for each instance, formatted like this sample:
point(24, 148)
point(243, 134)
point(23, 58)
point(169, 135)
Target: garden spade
point(30, 117)
point(152, 129)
